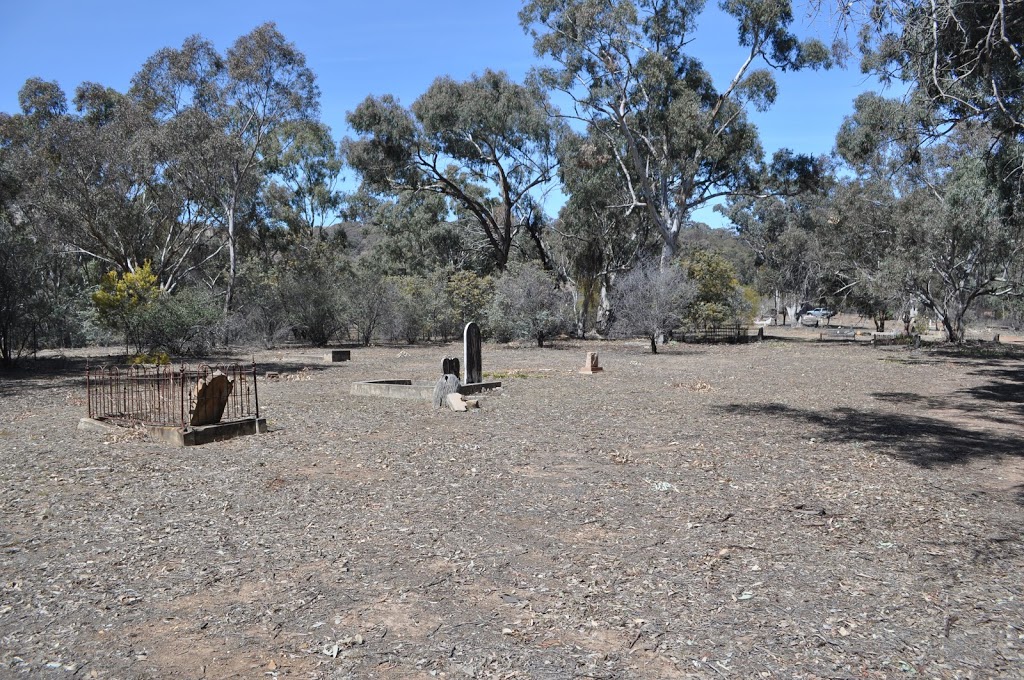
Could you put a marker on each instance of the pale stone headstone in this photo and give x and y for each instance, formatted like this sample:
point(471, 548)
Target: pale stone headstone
point(211, 398)
point(473, 369)
point(446, 385)
point(591, 366)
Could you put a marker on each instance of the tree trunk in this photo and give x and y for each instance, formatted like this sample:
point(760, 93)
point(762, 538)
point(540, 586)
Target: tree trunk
point(654, 344)
point(540, 339)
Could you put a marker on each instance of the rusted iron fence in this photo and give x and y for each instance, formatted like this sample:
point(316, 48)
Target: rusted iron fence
point(165, 395)
point(724, 333)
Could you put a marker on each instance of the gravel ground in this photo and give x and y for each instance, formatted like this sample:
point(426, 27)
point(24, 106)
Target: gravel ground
point(784, 509)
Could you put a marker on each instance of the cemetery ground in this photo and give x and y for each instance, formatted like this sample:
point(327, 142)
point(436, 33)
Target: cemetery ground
point(785, 509)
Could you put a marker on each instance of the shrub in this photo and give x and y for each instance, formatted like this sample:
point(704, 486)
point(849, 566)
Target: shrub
point(185, 323)
point(527, 303)
point(122, 301)
point(650, 301)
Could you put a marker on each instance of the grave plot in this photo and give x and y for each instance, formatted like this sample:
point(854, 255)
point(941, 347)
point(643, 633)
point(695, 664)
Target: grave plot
point(403, 388)
point(182, 405)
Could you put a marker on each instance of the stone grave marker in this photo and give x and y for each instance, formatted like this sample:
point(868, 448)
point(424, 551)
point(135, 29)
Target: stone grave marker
point(591, 366)
point(450, 365)
point(473, 369)
point(211, 398)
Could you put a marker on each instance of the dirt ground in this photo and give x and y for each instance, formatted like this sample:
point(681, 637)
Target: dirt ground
point(785, 509)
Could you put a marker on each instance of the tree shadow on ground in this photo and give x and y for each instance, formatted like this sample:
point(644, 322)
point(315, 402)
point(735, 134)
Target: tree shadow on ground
point(924, 441)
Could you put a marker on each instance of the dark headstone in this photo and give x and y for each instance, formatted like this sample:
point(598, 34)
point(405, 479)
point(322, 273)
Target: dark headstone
point(338, 355)
point(450, 365)
point(211, 398)
point(446, 384)
point(473, 370)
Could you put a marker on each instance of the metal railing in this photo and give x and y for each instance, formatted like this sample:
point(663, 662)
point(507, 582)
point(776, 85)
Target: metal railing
point(165, 395)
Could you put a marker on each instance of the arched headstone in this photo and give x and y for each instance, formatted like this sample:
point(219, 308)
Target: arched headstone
point(473, 367)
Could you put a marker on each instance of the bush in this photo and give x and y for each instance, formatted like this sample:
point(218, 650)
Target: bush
point(650, 301)
point(410, 308)
point(370, 299)
point(527, 303)
point(719, 298)
point(123, 300)
point(469, 295)
point(185, 323)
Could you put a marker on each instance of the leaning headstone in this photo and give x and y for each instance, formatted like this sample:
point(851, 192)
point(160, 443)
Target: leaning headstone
point(446, 384)
point(211, 398)
point(591, 366)
point(473, 369)
point(450, 365)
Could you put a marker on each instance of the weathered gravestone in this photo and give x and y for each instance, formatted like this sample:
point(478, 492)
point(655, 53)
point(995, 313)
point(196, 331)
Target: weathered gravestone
point(211, 398)
point(471, 354)
point(446, 384)
point(592, 365)
point(450, 365)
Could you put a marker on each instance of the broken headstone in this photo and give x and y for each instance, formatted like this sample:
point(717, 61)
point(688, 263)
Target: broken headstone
point(212, 394)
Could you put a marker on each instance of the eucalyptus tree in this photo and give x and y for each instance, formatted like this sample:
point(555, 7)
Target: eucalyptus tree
point(224, 116)
point(948, 226)
point(963, 57)
point(95, 185)
point(487, 145)
point(783, 233)
point(597, 236)
point(415, 234)
point(678, 141)
point(302, 193)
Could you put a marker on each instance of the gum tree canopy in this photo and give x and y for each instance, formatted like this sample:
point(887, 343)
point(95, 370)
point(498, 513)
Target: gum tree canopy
point(678, 141)
point(486, 144)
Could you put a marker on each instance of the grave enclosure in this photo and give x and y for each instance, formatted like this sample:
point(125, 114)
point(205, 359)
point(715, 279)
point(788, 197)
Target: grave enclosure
point(180, 405)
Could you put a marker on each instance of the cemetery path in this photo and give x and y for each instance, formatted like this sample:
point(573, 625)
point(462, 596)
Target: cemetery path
point(783, 509)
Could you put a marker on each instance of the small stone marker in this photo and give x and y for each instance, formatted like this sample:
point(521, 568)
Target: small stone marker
point(471, 354)
point(211, 398)
point(336, 355)
point(450, 365)
point(448, 384)
point(592, 365)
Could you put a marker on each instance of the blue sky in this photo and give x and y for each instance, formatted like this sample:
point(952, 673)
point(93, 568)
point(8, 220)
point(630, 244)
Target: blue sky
point(358, 48)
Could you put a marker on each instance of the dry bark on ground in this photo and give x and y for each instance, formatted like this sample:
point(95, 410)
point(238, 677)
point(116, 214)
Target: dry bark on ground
point(783, 509)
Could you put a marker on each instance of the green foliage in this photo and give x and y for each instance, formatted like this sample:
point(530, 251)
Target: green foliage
point(719, 298)
point(122, 301)
point(486, 145)
point(469, 296)
point(157, 359)
point(185, 323)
